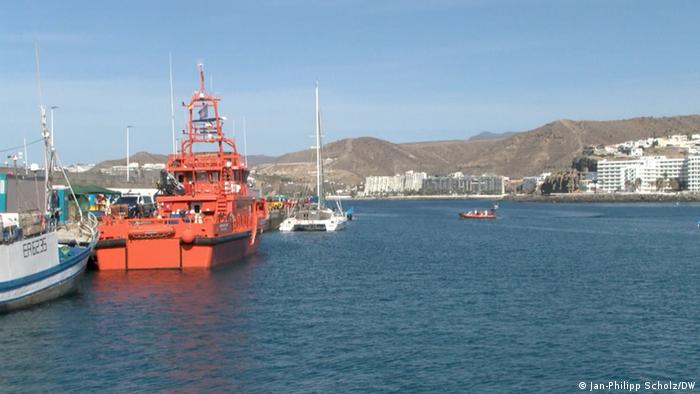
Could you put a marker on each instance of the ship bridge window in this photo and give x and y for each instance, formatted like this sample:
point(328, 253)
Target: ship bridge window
point(202, 177)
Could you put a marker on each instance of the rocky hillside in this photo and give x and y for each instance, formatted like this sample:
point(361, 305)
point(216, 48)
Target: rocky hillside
point(146, 157)
point(550, 147)
point(139, 157)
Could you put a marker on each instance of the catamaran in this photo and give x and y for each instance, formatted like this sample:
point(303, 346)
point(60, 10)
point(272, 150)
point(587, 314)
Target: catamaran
point(316, 216)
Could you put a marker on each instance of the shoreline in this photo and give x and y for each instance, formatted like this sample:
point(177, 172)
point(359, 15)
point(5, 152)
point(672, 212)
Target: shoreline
point(552, 198)
point(606, 198)
point(497, 197)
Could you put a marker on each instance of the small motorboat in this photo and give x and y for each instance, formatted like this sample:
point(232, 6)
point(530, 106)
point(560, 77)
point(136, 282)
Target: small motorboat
point(478, 214)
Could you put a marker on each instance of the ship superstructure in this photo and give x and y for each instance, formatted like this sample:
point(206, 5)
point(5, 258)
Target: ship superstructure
point(206, 215)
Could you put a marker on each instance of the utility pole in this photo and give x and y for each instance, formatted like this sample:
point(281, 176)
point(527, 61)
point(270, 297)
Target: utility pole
point(128, 170)
point(26, 159)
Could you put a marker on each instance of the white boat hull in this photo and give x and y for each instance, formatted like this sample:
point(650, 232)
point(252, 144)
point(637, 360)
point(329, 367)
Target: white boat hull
point(31, 271)
point(294, 224)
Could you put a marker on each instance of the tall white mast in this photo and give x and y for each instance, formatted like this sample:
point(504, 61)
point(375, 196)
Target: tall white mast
point(52, 108)
point(319, 174)
point(46, 135)
point(172, 104)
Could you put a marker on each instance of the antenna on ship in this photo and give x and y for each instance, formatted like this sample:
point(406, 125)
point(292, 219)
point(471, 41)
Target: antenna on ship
point(201, 80)
point(172, 103)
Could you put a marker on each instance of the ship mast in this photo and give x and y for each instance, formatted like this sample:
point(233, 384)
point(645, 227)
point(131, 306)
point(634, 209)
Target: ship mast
point(207, 128)
point(172, 104)
point(319, 173)
point(49, 149)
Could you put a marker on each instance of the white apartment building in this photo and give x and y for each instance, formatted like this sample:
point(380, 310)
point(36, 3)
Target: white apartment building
point(620, 175)
point(694, 173)
point(399, 183)
point(413, 181)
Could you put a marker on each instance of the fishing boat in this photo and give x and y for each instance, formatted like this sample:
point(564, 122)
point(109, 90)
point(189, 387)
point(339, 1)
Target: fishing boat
point(478, 214)
point(41, 260)
point(315, 215)
point(205, 214)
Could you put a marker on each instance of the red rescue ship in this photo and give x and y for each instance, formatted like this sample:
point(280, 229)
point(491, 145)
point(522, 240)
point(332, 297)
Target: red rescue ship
point(206, 216)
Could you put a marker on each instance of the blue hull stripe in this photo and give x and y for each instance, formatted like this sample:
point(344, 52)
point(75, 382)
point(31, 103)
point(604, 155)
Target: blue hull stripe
point(68, 279)
point(26, 280)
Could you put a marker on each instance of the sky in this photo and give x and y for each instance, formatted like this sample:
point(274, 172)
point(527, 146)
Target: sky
point(402, 71)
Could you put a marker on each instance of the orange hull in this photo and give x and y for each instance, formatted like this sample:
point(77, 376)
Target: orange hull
point(172, 253)
point(206, 215)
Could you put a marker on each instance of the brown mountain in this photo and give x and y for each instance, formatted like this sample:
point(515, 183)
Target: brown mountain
point(487, 135)
point(546, 148)
point(146, 157)
point(139, 157)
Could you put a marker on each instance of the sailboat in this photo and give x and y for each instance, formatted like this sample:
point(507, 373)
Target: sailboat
point(316, 216)
point(40, 260)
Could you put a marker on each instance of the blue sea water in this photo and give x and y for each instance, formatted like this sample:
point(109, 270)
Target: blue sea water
point(409, 298)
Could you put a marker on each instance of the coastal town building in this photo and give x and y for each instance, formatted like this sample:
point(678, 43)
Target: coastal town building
point(649, 174)
point(636, 148)
point(459, 183)
point(134, 167)
point(531, 184)
point(693, 173)
point(409, 181)
point(419, 182)
point(78, 168)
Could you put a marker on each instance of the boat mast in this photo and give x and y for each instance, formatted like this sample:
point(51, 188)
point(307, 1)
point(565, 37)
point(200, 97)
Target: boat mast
point(172, 103)
point(319, 174)
point(46, 135)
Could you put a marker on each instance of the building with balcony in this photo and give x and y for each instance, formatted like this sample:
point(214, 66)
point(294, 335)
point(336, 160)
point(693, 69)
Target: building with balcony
point(648, 174)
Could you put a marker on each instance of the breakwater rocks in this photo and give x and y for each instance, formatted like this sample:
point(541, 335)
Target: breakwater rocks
point(606, 197)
